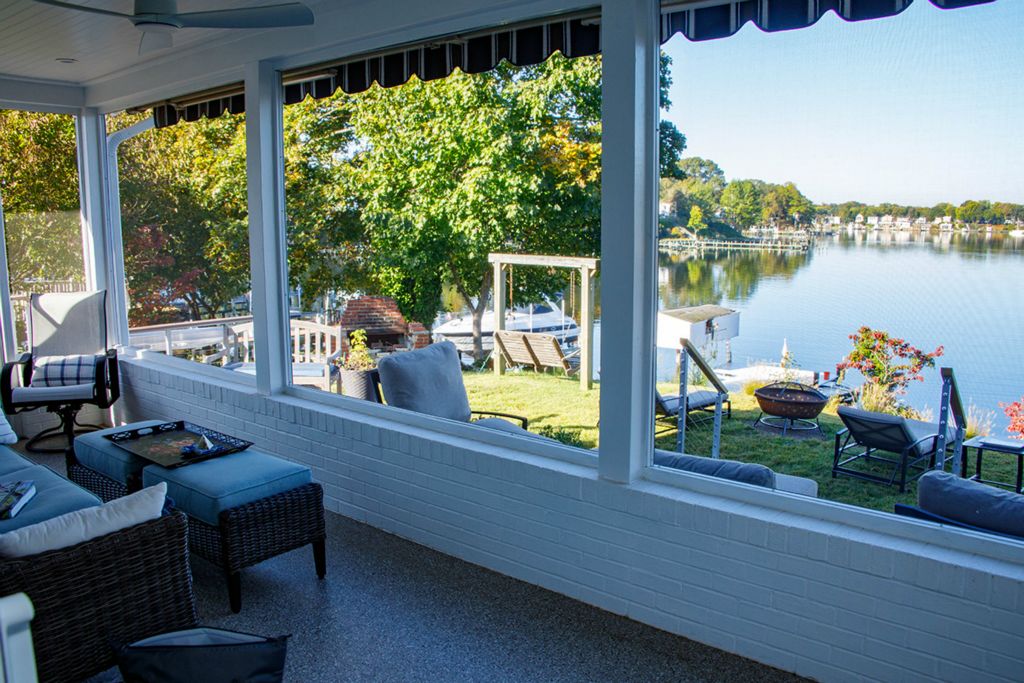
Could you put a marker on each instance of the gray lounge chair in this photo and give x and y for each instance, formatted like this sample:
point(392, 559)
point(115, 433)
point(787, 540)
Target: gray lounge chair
point(429, 381)
point(947, 499)
point(913, 442)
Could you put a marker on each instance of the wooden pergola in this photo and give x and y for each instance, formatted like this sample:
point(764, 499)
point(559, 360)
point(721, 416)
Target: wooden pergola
point(587, 267)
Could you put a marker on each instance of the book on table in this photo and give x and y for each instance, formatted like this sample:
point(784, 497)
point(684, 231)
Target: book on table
point(13, 497)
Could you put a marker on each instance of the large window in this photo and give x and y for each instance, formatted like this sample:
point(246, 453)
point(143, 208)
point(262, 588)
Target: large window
point(399, 201)
point(860, 217)
point(39, 190)
point(186, 243)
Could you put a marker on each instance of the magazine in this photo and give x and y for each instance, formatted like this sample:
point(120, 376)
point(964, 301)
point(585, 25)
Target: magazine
point(13, 497)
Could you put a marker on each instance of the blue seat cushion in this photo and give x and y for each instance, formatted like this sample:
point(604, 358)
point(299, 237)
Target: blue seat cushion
point(11, 461)
point(206, 489)
point(971, 502)
point(101, 455)
point(748, 473)
point(55, 495)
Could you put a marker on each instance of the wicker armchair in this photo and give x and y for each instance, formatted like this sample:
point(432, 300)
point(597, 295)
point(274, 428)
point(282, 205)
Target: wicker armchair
point(115, 589)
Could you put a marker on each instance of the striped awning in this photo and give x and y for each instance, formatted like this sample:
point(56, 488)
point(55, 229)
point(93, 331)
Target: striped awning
point(717, 19)
point(522, 46)
point(528, 44)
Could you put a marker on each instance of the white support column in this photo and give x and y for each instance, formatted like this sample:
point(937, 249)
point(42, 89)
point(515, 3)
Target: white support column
point(9, 345)
point(117, 297)
point(267, 247)
point(629, 181)
point(92, 146)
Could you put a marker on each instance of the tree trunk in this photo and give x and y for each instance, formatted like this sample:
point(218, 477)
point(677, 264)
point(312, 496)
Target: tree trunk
point(477, 314)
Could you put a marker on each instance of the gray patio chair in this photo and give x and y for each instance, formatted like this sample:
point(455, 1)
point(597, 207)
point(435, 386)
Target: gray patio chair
point(867, 434)
point(68, 367)
point(429, 381)
point(947, 499)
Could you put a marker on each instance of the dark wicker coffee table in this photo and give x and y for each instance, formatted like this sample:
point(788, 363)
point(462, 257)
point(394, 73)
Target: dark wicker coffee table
point(790, 405)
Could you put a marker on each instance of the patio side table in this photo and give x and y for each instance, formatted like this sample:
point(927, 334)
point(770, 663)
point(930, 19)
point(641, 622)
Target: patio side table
point(984, 443)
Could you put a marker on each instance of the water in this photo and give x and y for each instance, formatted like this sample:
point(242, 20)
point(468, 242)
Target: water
point(963, 292)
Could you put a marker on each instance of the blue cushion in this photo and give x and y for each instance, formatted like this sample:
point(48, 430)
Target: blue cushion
point(748, 473)
point(101, 455)
point(970, 502)
point(206, 489)
point(427, 380)
point(11, 461)
point(55, 495)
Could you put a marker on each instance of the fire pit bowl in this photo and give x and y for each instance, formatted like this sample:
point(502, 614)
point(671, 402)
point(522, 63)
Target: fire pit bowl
point(790, 405)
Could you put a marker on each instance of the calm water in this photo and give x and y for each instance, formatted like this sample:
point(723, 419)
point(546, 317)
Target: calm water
point(965, 293)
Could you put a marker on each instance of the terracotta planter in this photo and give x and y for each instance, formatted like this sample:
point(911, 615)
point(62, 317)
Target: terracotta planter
point(359, 384)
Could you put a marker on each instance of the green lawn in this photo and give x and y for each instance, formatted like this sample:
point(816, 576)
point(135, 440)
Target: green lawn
point(555, 401)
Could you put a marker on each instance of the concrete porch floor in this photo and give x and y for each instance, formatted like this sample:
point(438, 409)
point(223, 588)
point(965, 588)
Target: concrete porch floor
point(393, 610)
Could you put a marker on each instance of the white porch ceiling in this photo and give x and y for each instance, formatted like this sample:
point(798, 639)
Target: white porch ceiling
point(33, 36)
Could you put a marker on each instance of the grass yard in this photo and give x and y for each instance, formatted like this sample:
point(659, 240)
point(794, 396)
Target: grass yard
point(556, 402)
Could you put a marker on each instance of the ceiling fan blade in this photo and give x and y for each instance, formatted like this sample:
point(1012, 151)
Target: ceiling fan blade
point(270, 16)
point(83, 8)
point(153, 41)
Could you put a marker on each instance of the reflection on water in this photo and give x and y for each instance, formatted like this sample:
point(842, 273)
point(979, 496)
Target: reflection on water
point(959, 290)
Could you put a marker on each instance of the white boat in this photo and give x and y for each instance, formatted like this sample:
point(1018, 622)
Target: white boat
point(546, 318)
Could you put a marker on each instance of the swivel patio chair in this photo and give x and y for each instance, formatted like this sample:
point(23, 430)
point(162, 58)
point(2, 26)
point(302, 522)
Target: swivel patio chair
point(429, 381)
point(867, 434)
point(69, 365)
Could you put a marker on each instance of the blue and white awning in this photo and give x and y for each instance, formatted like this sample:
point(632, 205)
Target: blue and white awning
point(573, 36)
point(711, 19)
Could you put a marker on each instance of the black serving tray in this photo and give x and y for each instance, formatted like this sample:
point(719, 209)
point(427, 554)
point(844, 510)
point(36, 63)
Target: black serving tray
point(175, 444)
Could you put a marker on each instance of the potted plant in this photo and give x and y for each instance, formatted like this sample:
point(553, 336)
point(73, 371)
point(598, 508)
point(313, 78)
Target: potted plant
point(357, 370)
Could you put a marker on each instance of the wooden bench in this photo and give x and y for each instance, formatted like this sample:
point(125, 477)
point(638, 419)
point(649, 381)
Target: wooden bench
point(537, 350)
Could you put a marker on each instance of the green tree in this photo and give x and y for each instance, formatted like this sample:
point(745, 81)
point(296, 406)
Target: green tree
point(741, 200)
point(454, 169)
point(39, 190)
point(697, 224)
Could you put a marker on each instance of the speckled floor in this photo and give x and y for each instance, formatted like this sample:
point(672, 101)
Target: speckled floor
point(392, 610)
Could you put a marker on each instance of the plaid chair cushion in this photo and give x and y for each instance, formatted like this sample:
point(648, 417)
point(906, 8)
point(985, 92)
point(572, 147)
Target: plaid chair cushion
point(59, 371)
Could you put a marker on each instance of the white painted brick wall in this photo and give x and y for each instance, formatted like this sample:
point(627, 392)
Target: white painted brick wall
point(822, 599)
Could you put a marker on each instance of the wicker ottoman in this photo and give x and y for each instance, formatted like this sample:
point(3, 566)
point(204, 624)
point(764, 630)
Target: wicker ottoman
point(243, 508)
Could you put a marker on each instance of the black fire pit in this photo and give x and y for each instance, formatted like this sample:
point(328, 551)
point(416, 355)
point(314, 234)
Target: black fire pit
point(790, 405)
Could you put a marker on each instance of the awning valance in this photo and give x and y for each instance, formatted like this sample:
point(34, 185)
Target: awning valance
point(698, 20)
point(527, 44)
point(522, 46)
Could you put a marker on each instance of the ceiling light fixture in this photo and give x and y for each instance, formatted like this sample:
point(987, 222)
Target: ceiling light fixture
point(67, 60)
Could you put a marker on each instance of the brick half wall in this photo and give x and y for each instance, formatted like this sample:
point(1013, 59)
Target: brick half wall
point(821, 599)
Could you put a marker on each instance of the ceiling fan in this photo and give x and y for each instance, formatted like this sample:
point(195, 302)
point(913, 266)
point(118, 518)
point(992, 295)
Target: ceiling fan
point(159, 19)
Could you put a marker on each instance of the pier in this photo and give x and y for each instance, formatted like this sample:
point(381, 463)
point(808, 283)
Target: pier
point(702, 245)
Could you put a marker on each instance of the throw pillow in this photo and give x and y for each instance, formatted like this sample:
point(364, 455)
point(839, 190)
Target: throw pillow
point(7, 435)
point(82, 525)
point(60, 371)
point(204, 654)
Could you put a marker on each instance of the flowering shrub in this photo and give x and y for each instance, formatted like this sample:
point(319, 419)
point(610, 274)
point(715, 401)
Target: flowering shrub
point(1015, 411)
point(876, 355)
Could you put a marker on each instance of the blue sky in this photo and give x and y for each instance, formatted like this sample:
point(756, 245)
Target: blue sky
point(924, 107)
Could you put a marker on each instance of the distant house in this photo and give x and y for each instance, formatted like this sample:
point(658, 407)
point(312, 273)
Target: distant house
point(887, 219)
point(921, 220)
point(665, 208)
point(859, 219)
point(873, 221)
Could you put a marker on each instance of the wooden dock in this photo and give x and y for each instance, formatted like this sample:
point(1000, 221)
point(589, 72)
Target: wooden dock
point(704, 245)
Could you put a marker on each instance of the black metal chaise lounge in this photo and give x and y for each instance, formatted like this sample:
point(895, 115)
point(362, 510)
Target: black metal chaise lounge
point(867, 433)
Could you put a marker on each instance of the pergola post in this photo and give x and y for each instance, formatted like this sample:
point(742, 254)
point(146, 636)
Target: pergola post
point(499, 316)
point(586, 329)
